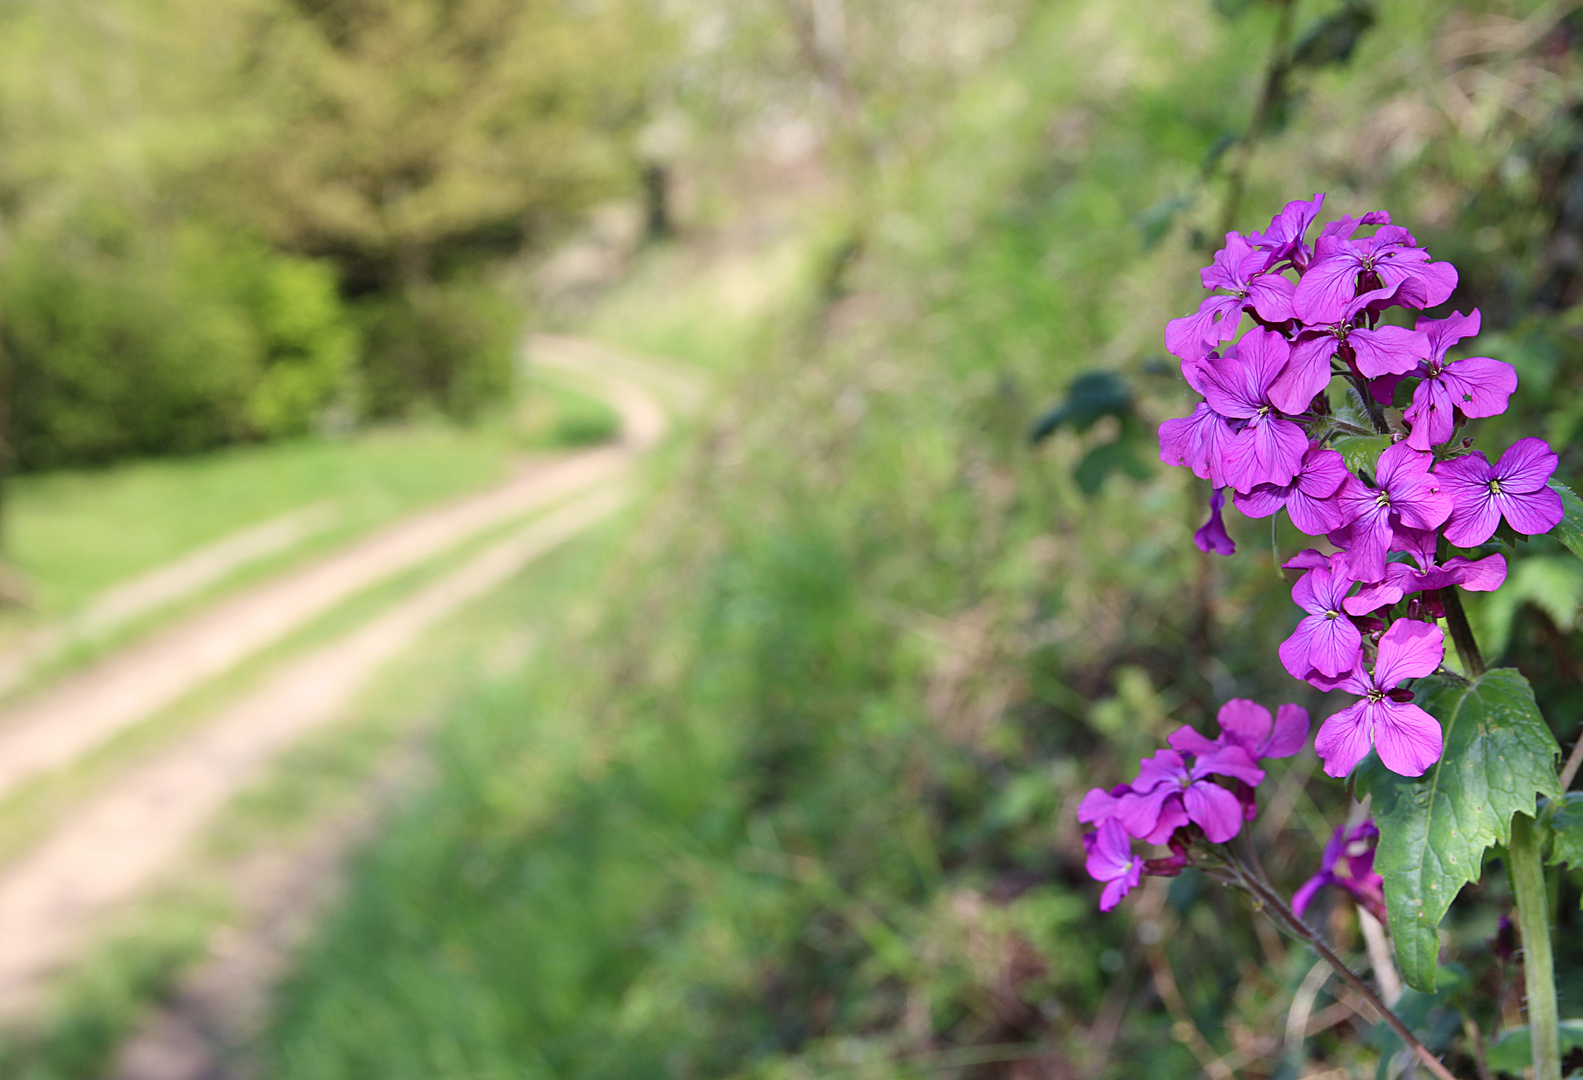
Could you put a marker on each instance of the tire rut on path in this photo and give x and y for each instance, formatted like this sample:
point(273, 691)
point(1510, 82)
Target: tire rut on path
point(108, 849)
point(114, 844)
point(88, 709)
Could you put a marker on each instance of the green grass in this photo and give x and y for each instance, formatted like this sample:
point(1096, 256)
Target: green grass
point(140, 957)
point(78, 532)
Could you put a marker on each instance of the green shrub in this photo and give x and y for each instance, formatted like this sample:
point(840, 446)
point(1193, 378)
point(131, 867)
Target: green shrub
point(129, 340)
point(448, 345)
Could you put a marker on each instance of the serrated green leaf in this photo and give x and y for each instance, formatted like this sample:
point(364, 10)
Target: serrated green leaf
point(1563, 819)
point(1361, 452)
point(1513, 1051)
point(1434, 829)
point(1570, 529)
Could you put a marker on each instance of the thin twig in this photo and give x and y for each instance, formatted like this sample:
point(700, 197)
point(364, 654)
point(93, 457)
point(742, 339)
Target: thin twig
point(1476, 1043)
point(1461, 631)
point(1569, 771)
point(1274, 904)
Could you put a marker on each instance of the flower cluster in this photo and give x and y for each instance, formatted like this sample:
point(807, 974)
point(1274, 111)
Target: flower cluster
point(1266, 427)
point(1176, 797)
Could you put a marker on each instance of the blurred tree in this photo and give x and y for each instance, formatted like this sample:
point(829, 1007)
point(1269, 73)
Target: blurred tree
point(409, 139)
point(405, 135)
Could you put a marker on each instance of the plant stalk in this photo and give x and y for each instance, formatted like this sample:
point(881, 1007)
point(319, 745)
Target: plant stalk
point(1461, 631)
point(1284, 915)
point(1533, 919)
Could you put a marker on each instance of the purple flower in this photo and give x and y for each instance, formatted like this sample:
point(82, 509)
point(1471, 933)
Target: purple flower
point(1284, 239)
point(1247, 724)
point(1474, 575)
point(1110, 859)
point(1242, 271)
point(1309, 498)
point(1099, 805)
point(1269, 449)
point(1212, 536)
point(1348, 862)
point(1326, 639)
point(1515, 489)
point(1407, 739)
point(1386, 267)
point(1169, 792)
point(1408, 495)
point(1200, 442)
point(1476, 386)
point(1372, 352)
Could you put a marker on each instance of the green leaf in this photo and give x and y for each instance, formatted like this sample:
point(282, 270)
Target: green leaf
point(1361, 452)
point(1563, 819)
point(1434, 829)
point(1513, 1051)
point(1570, 530)
point(1092, 395)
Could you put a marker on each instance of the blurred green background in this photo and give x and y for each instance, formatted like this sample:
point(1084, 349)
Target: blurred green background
point(774, 774)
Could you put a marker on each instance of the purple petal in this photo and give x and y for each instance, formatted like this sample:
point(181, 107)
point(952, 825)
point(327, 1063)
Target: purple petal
point(1188, 740)
point(1409, 650)
point(1212, 537)
point(1372, 597)
point(1328, 285)
point(1479, 386)
point(1199, 442)
point(1424, 285)
point(1400, 463)
point(1223, 271)
point(1306, 892)
point(1295, 651)
point(1533, 512)
point(1287, 228)
point(1388, 350)
point(1527, 465)
point(1232, 761)
point(1172, 817)
point(1268, 451)
point(1109, 853)
point(1306, 373)
point(1214, 809)
point(1430, 419)
point(1444, 333)
point(1263, 500)
point(1192, 336)
point(1271, 297)
point(1477, 575)
point(1120, 887)
point(1473, 520)
point(1100, 804)
point(1308, 559)
point(1335, 646)
point(1369, 543)
point(1323, 472)
point(1140, 812)
point(1313, 517)
point(1247, 722)
point(1345, 739)
point(1408, 739)
point(1290, 734)
point(1165, 768)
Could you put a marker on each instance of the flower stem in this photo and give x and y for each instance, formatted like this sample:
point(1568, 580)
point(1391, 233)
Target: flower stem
point(1284, 915)
point(1461, 632)
point(1533, 917)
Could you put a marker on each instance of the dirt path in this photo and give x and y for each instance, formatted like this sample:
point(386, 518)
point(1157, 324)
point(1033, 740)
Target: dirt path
point(119, 692)
point(161, 587)
point(113, 845)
